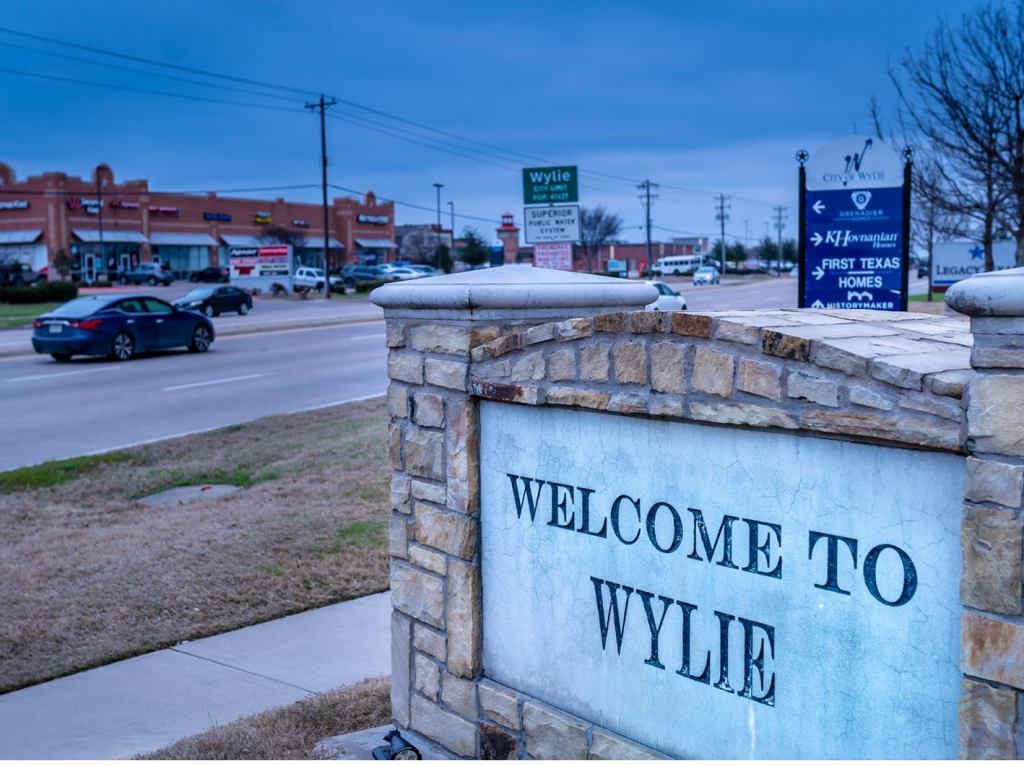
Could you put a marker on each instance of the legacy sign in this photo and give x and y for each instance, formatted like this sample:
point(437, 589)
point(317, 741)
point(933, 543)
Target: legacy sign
point(722, 593)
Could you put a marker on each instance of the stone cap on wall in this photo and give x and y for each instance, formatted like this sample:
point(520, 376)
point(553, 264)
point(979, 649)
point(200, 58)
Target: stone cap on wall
point(991, 294)
point(513, 291)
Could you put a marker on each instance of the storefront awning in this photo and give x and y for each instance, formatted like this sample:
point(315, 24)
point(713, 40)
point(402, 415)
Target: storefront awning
point(185, 240)
point(240, 240)
point(23, 237)
point(317, 243)
point(110, 235)
point(384, 244)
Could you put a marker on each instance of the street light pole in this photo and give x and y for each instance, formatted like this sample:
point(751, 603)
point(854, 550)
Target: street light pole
point(438, 187)
point(451, 208)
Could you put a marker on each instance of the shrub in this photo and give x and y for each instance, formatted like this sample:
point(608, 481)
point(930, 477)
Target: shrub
point(21, 295)
point(367, 287)
point(62, 291)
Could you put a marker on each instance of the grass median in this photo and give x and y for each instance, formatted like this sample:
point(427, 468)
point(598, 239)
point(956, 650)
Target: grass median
point(89, 575)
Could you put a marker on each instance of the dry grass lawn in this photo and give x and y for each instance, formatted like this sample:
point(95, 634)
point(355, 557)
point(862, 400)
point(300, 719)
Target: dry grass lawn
point(88, 575)
point(290, 732)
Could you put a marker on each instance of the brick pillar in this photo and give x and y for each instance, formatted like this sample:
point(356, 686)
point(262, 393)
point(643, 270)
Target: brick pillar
point(432, 326)
point(992, 631)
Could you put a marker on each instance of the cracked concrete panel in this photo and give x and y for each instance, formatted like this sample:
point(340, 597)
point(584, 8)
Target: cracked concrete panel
point(865, 666)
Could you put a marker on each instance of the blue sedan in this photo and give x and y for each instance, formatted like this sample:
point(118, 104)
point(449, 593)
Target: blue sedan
point(118, 326)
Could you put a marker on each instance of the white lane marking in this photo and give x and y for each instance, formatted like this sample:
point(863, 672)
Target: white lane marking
point(337, 404)
point(215, 382)
point(63, 374)
point(367, 337)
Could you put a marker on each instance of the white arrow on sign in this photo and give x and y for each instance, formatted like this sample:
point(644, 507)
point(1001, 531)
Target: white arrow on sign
point(816, 238)
point(818, 272)
point(817, 305)
point(818, 206)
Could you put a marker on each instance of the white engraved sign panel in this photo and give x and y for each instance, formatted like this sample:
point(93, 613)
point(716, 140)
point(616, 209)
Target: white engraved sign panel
point(722, 592)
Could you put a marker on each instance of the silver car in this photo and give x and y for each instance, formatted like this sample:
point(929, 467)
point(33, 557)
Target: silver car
point(706, 275)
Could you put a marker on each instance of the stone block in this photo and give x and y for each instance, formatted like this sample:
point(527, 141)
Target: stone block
point(496, 744)
point(578, 397)
point(908, 370)
point(694, 325)
point(429, 642)
point(400, 494)
point(743, 414)
point(950, 383)
point(988, 720)
point(427, 676)
point(941, 434)
point(1004, 351)
point(395, 335)
point(446, 373)
point(992, 481)
point(406, 366)
point(667, 367)
point(854, 355)
point(401, 662)
point(505, 392)
point(865, 397)
point(630, 363)
point(429, 491)
point(594, 363)
point(459, 695)
point(605, 746)
point(574, 329)
point(428, 410)
point(778, 343)
point(642, 322)
point(759, 378)
point(818, 390)
point(398, 401)
point(992, 544)
point(562, 365)
point(665, 406)
point(530, 367)
point(499, 704)
point(992, 649)
point(417, 594)
point(395, 446)
point(995, 415)
point(461, 445)
point(499, 369)
point(440, 339)
point(538, 334)
point(736, 332)
point(463, 619)
point(398, 536)
point(713, 372)
point(941, 409)
point(428, 559)
point(498, 347)
point(552, 735)
point(453, 533)
point(615, 322)
point(628, 403)
point(424, 454)
point(447, 729)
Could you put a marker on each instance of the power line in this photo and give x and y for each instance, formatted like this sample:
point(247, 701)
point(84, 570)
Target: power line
point(415, 206)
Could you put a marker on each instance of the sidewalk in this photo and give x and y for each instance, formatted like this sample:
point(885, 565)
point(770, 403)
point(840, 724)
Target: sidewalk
point(138, 705)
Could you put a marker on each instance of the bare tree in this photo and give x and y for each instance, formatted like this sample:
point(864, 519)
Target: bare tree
point(420, 246)
point(597, 227)
point(274, 234)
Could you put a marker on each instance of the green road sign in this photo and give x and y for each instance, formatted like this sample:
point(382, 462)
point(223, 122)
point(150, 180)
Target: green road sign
point(548, 186)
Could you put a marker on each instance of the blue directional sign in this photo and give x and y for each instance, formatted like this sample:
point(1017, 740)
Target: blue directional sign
point(853, 249)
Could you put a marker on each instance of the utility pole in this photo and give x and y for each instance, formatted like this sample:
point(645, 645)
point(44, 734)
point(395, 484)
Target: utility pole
point(645, 200)
point(439, 187)
point(99, 207)
point(722, 217)
point(451, 208)
point(746, 234)
point(780, 224)
point(322, 105)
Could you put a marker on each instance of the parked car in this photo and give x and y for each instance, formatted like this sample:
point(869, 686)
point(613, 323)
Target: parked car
point(213, 301)
point(307, 276)
point(403, 274)
point(119, 327)
point(15, 274)
point(922, 271)
point(706, 275)
point(150, 274)
point(424, 269)
point(210, 274)
point(795, 271)
point(668, 299)
point(350, 274)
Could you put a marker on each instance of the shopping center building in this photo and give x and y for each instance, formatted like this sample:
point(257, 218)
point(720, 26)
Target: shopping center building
point(109, 227)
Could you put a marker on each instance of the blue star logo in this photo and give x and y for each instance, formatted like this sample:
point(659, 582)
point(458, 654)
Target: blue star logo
point(977, 253)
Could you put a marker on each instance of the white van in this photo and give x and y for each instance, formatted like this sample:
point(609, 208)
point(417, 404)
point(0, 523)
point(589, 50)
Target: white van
point(677, 265)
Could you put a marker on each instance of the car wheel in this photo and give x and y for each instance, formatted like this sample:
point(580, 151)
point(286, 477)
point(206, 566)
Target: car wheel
point(201, 339)
point(123, 347)
point(350, 282)
point(152, 281)
point(208, 310)
point(243, 308)
point(62, 357)
point(124, 280)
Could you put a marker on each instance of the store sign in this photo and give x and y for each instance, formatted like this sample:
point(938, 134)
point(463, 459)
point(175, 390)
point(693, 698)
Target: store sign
point(556, 255)
point(301, 223)
point(617, 266)
point(158, 210)
point(14, 204)
point(546, 186)
point(123, 205)
point(855, 254)
point(244, 261)
point(274, 260)
point(216, 216)
point(90, 206)
point(557, 223)
point(261, 216)
point(379, 220)
point(953, 261)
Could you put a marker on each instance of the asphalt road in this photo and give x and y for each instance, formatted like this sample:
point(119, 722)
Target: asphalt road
point(53, 410)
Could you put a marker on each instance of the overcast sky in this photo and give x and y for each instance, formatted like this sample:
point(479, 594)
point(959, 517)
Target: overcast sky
point(709, 97)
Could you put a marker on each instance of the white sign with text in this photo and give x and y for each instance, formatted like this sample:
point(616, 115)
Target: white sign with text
point(554, 255)
point(555, 223)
